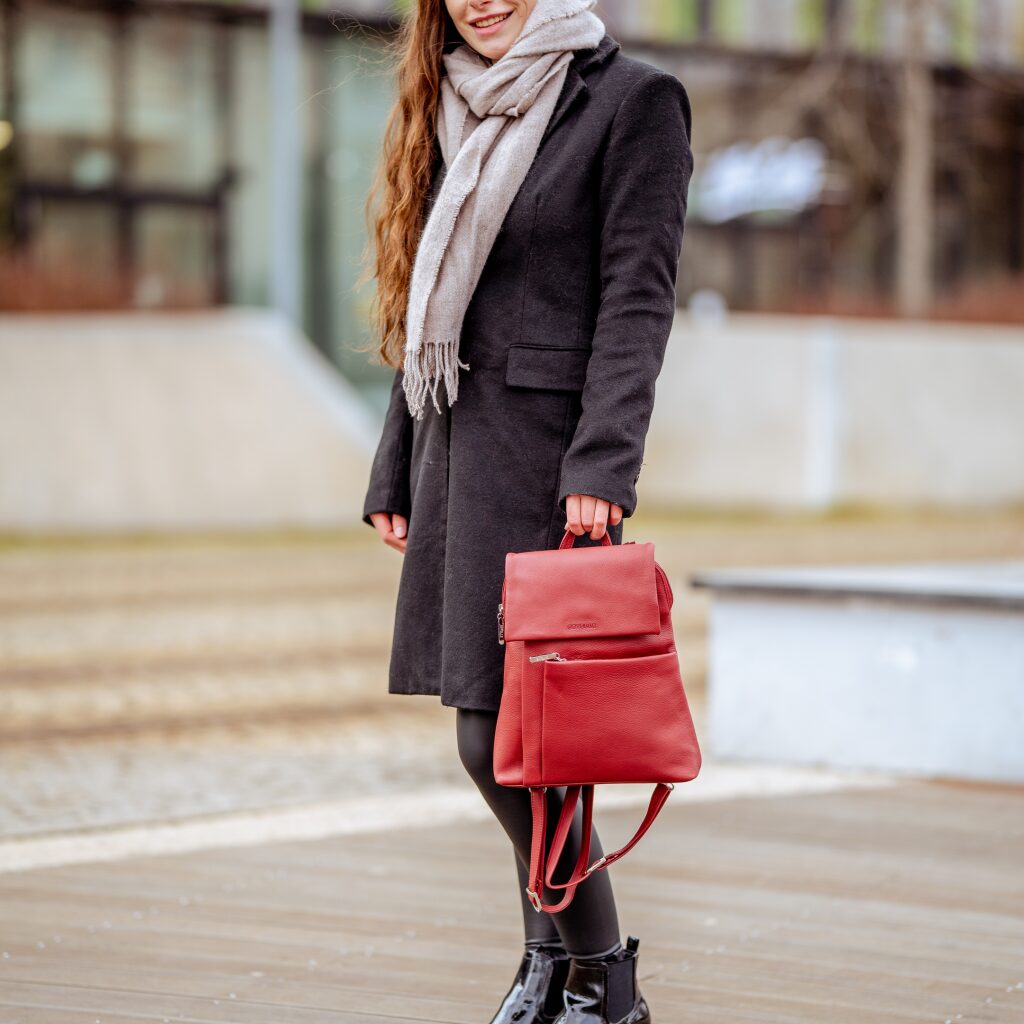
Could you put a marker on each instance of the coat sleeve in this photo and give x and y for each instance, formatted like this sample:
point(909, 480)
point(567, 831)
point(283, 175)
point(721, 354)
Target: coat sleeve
point(389, 489)
point(645, 179)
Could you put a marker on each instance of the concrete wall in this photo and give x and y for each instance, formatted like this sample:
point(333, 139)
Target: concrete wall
point(183, 420)
point(806, 412)
point(230, 418)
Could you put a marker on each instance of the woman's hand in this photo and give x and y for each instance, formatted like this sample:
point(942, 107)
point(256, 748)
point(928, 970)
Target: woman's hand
point(393, 529)
point(584, 513)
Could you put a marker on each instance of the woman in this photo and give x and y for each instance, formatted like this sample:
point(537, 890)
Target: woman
point(534, 191)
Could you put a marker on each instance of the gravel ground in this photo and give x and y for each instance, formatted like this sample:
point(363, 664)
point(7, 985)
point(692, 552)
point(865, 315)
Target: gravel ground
point(167, 678)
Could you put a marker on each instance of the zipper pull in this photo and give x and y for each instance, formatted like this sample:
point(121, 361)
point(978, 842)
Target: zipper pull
point(550, 656)
point(501, 624)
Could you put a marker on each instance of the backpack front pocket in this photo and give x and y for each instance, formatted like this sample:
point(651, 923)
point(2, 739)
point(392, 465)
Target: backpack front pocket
point(613, 719)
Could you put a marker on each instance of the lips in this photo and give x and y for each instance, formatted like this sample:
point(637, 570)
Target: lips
point(490, 20)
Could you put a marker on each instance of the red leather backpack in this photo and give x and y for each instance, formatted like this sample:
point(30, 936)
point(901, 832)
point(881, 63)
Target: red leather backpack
point(592, 691)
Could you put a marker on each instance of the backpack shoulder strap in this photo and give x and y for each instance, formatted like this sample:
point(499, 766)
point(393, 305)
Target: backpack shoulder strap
point(539, 876)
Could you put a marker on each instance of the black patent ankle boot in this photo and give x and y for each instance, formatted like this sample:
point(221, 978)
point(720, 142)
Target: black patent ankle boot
point(604, 990)
point(536, 994)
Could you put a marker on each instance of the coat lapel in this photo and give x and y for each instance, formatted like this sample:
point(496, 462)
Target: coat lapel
point(574, 84)
point(572, 87)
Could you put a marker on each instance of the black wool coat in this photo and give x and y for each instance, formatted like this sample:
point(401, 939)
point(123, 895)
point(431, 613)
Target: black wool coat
point(564, 337)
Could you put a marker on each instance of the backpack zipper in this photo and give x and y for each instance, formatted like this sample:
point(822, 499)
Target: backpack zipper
point(550, 656)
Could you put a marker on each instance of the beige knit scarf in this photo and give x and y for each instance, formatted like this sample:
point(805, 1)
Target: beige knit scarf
point(489, 124)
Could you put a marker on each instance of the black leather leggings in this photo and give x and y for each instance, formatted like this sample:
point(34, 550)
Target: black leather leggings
point(589, 926)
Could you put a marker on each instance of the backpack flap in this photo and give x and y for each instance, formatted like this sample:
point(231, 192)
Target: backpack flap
point(604, 590)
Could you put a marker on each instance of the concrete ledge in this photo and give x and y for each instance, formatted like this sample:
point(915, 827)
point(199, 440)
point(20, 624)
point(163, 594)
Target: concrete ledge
point(916, 669)
point(987, 584)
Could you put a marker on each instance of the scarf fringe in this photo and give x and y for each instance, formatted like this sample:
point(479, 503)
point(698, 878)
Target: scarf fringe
point(424, 369)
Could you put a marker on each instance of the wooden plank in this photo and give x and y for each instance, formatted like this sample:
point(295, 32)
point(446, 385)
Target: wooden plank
point(894, 905)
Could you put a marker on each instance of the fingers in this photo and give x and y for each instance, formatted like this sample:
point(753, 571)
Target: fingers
point(586, 514)
point(395, 537)
point(391, 529)
point(599, 518)
point(572, 514)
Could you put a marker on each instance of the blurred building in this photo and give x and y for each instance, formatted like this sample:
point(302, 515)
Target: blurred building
point(135, 152)
point(852, 155)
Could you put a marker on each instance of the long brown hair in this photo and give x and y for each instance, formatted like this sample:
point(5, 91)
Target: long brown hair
point(403, 174)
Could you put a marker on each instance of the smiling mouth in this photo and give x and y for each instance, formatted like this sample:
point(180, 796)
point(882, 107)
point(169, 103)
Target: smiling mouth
point(491, 19)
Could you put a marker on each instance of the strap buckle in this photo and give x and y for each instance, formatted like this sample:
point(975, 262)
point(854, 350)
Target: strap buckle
point(597, 865)
point(534, 899)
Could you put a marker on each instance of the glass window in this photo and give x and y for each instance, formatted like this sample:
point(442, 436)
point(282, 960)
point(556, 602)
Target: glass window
point(73, 250)
point(65, 69)
point(172, 110)
point(174, 256)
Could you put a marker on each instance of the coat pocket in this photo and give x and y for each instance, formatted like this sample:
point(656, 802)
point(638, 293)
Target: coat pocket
point(550, 369)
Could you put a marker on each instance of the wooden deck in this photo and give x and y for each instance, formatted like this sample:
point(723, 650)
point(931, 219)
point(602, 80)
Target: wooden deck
point(884, 905)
